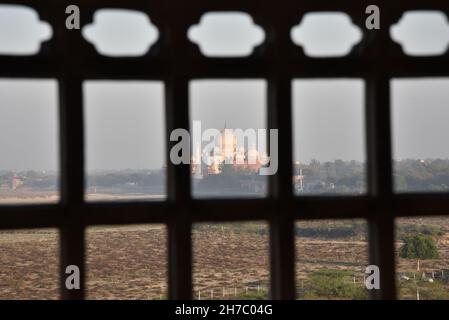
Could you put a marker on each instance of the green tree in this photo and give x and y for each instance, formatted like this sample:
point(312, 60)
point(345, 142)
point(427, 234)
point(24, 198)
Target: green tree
point(419, 246)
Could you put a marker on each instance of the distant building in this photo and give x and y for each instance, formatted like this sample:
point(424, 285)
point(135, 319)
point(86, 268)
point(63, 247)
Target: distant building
point(16, 182)
point(298, 177)
point(11, 182)
point(227, 152)
point(197, 167)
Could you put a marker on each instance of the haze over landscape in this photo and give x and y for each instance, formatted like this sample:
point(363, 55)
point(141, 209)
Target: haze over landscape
point(125, 124)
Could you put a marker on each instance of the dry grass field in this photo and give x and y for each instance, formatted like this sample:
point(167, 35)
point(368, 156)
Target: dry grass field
point(229, 259)
point(129, 262)
point(28, 264)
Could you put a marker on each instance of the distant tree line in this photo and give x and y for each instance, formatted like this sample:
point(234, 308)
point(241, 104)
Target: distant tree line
point(325, 231)
point(333, 177)
point(350, 176)
point(422, 175)
point(38, 180)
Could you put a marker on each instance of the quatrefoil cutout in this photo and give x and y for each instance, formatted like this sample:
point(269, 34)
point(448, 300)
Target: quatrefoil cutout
point(121, 33)
point(21, 31)
point(226, 34)
point(422, 33)
point(327, 34)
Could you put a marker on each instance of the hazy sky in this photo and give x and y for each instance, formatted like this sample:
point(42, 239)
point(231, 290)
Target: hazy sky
point(28, 131)
point(328, 119)
point(125, 122)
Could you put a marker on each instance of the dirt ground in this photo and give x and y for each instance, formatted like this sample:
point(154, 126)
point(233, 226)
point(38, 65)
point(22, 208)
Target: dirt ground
point(131, 262)
point(229, 261)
